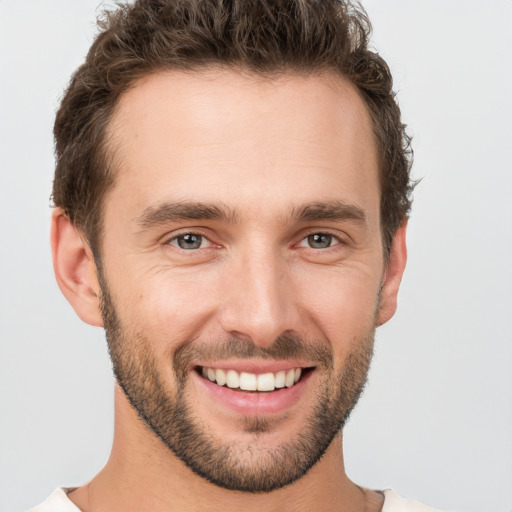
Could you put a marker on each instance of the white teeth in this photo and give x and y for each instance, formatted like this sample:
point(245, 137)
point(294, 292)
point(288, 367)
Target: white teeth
point(280, 379)
point(253, 382)
point(266, 382)
point(248, 381)
point(290, 379)
point(220, 377)
point(232, 379)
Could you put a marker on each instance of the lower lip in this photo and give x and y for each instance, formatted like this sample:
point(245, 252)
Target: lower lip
point(254, 403)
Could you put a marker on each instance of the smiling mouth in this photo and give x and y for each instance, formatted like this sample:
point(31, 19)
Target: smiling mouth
point(245, 381)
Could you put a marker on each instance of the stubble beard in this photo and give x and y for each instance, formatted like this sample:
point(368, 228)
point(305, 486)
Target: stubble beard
point(249, 466)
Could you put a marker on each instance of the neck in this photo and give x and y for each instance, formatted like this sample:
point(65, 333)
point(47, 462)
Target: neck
point(143, 474)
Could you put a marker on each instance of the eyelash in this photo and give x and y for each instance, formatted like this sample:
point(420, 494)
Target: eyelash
point(334, 240)
point(174, 240)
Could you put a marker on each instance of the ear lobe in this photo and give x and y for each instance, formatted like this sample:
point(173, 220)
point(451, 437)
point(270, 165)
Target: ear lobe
point(393, 276)
point(75, 269)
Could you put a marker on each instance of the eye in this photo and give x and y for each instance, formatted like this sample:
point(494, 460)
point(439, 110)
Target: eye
point(319, 241)
point(190, 241)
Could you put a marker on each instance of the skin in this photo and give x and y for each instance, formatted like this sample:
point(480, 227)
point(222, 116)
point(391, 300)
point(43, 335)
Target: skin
point(262, 149)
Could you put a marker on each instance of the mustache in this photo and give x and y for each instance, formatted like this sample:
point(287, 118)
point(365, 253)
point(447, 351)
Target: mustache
point(285, 346)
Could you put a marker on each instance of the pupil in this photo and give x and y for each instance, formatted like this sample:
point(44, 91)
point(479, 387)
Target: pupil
point(190, 241)
point(319, 240)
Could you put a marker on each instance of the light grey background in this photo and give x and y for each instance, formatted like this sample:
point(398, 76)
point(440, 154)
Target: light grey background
point(436, 419)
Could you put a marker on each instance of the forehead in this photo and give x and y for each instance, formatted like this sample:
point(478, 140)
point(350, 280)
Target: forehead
point(224, 135)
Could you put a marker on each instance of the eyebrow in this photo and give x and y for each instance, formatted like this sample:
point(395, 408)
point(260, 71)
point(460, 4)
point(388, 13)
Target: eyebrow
point(166, 212)
point(332, 210)
point(179, 211)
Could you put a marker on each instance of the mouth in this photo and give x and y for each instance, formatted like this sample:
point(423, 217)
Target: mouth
point(253, 382)
point(253, 388)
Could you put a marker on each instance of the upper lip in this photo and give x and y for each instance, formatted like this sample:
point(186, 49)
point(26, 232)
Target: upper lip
point(254, 366)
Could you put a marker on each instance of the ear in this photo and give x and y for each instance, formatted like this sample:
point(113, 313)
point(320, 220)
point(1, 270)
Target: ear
point(75, 269)
point(393, 276)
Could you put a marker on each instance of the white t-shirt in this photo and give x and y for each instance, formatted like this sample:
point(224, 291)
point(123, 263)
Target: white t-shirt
point(59, 502)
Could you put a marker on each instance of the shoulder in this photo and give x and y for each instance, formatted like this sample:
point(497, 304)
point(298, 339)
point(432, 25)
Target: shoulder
point(393, 502)
point(58, 501)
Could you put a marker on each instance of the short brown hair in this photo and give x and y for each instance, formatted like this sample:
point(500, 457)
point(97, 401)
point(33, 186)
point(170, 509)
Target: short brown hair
point(266, 37)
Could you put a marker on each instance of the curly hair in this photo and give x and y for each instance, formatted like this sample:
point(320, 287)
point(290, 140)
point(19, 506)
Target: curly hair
point(264, 37)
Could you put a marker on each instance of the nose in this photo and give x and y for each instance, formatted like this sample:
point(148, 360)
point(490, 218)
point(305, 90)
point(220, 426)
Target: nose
point(259, 299)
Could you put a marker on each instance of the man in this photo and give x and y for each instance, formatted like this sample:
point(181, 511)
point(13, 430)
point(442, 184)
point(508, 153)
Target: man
point(231, 198)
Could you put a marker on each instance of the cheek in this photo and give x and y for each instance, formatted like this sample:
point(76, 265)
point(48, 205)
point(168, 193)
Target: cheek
point(344, 306)
point(169, 308)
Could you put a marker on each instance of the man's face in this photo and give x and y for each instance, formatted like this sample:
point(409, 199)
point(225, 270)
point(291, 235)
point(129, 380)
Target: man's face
point(242, 249)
